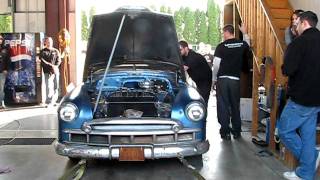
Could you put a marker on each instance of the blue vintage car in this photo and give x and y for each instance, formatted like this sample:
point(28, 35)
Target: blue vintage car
point(135, 103)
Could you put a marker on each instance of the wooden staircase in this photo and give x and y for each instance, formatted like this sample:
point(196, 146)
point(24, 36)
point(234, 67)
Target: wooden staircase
point(281, 12)
point(266, 21)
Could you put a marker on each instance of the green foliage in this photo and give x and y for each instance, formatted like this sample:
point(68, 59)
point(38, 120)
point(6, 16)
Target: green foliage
point(169, 10)
point(213, 14)
point(196, 25)
point(163, 9)
point(192, 26)
point(199, 26)
point(5, 23)
point(92, 12)
point(189, 20)
point(179, 22)
point(86, 21)
point(203, 28)
point(84, 26)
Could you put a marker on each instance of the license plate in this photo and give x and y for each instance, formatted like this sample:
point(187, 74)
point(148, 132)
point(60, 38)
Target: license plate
point(131, 154)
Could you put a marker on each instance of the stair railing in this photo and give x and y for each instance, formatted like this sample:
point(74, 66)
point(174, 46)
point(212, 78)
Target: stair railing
point(265, 42)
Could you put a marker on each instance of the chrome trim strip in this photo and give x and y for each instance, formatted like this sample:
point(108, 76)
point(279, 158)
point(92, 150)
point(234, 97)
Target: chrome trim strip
point(131, 121)
point(150, 151)
point(134, 133)
point(108, 145)
point(140, 102)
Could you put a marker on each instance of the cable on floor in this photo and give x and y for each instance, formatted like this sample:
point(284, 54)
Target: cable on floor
point(15, 135)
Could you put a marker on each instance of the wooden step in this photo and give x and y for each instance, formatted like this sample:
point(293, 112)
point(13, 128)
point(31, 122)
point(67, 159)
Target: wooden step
point(278, 4)
point(282, 23)
point(281, 13)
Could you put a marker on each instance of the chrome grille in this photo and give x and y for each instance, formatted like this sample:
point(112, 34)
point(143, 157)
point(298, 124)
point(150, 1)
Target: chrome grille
point(118, 139)
point(119, 131)
point(132, 94)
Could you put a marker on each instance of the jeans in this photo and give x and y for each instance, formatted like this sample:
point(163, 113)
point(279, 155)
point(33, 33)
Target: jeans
point(302, 118)
point(2, 81)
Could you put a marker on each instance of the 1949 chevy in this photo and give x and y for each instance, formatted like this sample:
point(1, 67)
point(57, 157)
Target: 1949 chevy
point(135, 103)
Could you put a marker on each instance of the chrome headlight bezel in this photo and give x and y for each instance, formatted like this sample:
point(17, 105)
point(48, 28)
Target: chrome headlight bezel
point(195, 107)
point(70, 108)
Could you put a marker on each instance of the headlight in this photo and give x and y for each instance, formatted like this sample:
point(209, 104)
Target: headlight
point(195, 111)
point(68, 111)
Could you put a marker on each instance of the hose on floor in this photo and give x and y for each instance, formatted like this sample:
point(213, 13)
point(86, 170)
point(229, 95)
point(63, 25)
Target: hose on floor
point(75, 172)
point(193, 170)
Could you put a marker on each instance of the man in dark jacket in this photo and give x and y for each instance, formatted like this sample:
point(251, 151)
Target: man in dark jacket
point(4, 63)
point(50, 62)
point(302, 66)
point(198, 69)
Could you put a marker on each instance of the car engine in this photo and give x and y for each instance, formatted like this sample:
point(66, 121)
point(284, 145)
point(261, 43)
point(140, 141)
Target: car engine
point(135, 99)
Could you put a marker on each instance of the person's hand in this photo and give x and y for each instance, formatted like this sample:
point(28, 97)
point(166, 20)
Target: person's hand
point(243, 28)
point(294, 30)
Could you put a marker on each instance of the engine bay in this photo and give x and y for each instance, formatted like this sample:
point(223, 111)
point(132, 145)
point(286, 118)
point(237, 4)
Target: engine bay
point(136, 98)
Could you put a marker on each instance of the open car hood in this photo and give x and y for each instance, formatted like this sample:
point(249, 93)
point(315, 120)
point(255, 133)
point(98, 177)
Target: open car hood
point(145, 36)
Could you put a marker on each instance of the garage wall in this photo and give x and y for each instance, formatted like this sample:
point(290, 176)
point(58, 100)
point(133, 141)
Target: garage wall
point(4, 7)
point(312, 5)
point(29, 16)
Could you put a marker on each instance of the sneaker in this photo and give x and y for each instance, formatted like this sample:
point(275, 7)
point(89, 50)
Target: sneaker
point(291, 175)
point(318, 160)
point(2, 104)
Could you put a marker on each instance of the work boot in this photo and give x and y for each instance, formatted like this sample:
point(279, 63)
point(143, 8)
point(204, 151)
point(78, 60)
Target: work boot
point(236, 135)
point(226, 137)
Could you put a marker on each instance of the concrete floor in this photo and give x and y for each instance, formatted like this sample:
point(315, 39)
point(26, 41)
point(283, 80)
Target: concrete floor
point(232, 160)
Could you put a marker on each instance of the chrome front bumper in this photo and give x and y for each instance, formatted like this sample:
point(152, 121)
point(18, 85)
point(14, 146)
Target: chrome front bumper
point(113, 151)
